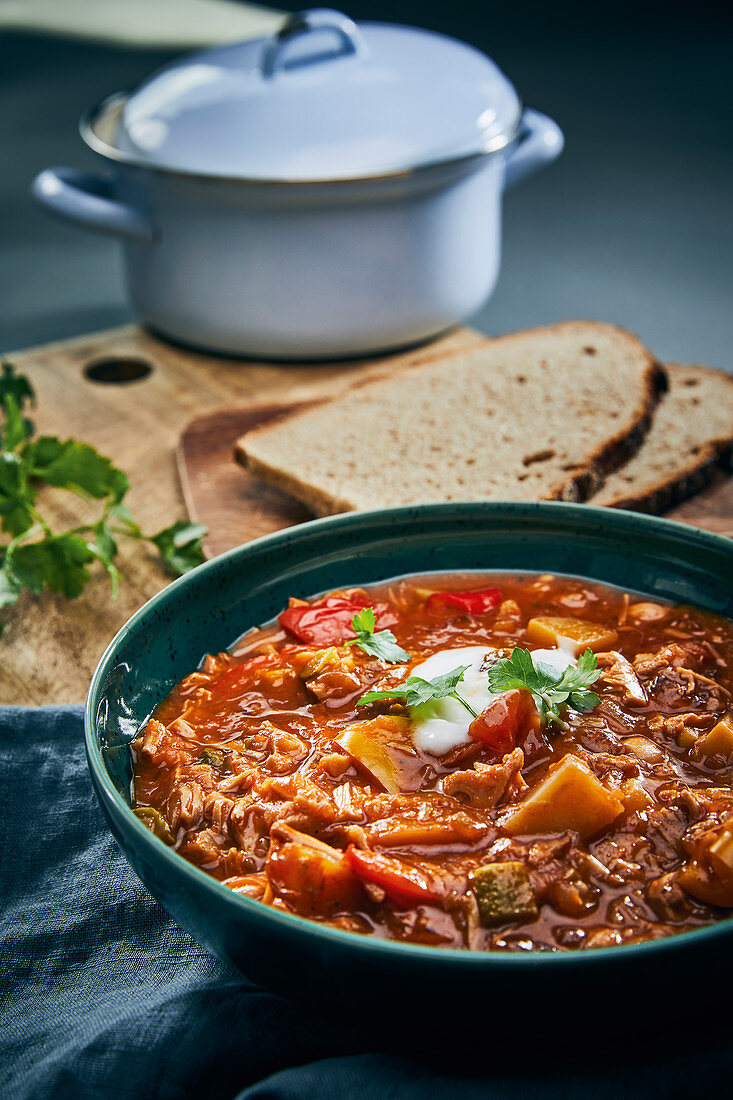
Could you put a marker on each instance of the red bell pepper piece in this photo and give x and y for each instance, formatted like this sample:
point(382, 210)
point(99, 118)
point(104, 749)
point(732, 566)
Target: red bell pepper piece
point(402, 883)
point(505, 721)
point(233, 679)
point(329, 621)
point(479, 601)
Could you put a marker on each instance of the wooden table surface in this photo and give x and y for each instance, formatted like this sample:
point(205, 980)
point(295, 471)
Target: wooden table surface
point(50, 646)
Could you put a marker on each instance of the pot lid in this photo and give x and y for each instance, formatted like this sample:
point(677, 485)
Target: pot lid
point(323, 99)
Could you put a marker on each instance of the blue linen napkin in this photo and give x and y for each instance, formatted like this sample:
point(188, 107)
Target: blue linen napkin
point(103, 996)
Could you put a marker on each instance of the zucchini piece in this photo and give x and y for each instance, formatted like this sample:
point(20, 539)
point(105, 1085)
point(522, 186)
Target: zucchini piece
point(503, 892)
point(154, 820)
point(215, 758)
point(321, 660)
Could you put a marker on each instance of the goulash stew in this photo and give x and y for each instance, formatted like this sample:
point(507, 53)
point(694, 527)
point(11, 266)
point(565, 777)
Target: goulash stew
point(498, 764)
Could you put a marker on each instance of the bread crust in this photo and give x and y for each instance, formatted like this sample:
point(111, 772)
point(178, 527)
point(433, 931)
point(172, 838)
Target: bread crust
point(664, 496)
point(578, 486)
point(715, 456)
point(621, 447)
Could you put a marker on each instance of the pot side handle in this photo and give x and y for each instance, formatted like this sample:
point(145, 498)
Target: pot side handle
point(88, 201)
point(540, 142)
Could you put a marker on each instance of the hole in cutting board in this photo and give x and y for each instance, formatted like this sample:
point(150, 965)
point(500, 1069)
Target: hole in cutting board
point(117, 370)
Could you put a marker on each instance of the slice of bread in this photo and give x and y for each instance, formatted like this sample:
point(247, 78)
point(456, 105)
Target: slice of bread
point(691, 437)
point(537, 415)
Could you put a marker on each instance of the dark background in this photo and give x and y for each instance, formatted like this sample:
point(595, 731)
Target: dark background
point(632, 225)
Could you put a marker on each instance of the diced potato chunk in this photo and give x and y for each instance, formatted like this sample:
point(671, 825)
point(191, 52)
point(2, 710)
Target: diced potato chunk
point(719, 740)
point(686, 738)
point(574, 635)
point(376, 744)
point(710, 877)
point(503, 892)
point(721, 853)
point(569, 797)
point(634, 796)
point(706, 886)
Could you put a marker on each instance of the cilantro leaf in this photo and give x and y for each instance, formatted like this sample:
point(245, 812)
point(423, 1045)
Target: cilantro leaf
point(382, 644)
point(10, 589)
point(364, 621)
point(56, 562)
point(17, 498)
point(15, 385)
point(77, 466)
point(123, 515)
point(577, 680)
point(104, 549)
point(180, 546)
point(550, 690)
point(15, 392)
point(416, 690)
point(36, 558)
point(519, 671)
point(584, 673)
point(105, 544)
point(17, 427)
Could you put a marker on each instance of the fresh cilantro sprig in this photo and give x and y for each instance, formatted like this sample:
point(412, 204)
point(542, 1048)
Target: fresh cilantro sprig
point(416, 690)
point(15, 392)
point(35, 557)
point(550, 690)
point(381, 643)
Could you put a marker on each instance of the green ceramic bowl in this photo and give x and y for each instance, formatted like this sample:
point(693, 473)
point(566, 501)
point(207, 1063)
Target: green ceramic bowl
point(210, 607)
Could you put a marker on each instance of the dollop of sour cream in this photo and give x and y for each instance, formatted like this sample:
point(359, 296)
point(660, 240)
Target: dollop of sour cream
point(441, 725)
point(556, 659)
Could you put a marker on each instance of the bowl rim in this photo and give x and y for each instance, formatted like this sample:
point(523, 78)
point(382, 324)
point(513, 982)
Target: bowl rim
point(325, 933)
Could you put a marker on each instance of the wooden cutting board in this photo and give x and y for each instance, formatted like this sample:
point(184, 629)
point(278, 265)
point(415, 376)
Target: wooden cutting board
point(132, 395)
point(233, 505)
point(237, 507)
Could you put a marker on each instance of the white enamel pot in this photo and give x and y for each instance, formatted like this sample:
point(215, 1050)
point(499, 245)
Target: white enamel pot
point(342, 221)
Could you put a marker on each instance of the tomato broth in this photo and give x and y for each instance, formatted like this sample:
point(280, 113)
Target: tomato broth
point(540, 763)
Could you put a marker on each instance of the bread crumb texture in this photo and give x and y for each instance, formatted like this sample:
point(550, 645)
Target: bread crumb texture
point(535, 415)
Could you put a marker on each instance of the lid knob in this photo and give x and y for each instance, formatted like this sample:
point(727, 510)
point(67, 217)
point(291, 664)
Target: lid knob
point(349, 39)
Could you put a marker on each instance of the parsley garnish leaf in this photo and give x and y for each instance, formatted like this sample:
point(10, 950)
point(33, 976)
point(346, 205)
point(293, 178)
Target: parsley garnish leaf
point(550, 690)
point(416, 690)
point(382, 644)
